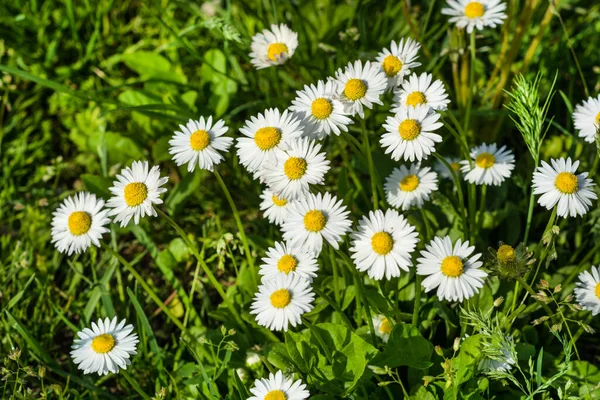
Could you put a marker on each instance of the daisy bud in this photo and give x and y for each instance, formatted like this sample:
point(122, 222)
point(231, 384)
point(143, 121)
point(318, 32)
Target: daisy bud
point(498, 301)
point(456, 344)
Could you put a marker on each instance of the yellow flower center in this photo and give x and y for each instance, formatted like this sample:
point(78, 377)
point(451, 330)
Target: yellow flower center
point(391, 65)
point(295, 167)
point(355, 89)
point(409, 129)
point(79, 222)
point(276, 50)
point(382, 243)
point(598, 290)
point(598, 119)
point(314, 221)
point(103, 343)
point(280, 202)
point(452, 266)
point(281, 298)
point(455, 166)
point(267, 138)
point(385, 326)
point(199, 140)
point(409, 183)
point(415, 98)
point(275, 395)
point(287, 264)
point(135, 193)
point(321, 108)
point(506, 254)
point(474, 9)
point(567, 183)
point(485, 160)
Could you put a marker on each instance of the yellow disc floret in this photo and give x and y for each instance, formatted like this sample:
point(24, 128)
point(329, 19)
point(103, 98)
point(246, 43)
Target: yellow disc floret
point(287, 263)
point(452, 266)
point(485, 160)
point(382, 243)
point(567, 183)
point(355, 89)
point(267, 138)
point(385, 327)
point(79, 222)
point(314, 221)
point(409, 183)
point(409, 129)
point(474, 9)
point(275, 395)
point(598, 290)
point(135, 193)
point(280, 298)
point(506, 254)
point(276, 51)
point(455, 166)
point(199, 140)
point(321, 108)
point(103, 343)
point(278, 201)
point(598, 119)
point(391, 65)
point(416, 98)
point(295, 167)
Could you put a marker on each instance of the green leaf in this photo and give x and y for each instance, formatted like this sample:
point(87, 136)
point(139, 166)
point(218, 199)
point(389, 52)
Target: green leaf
point(97, 185)
point(406, 347)
point(465, 363)
point(19, 295)
point(183, 191)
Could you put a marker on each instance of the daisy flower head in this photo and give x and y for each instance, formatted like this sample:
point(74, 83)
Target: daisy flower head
point(273, 47)
point(104, 348)
point(398, 60)
point(475, 14)
point(316, 218)
point(200, 143)
point(409, 133)
point(587, 119)
point(491, 165)
point(443, 170)
point(78, 223)
point(281, 301)
point(420, 90)
point(135, 192)
point(410, 186)
point(383, 327)
point(360, 86)
point(587, 291)
point(383, 244)
point(278, 387)
point(295, 169)
point(283, 259)
point(322, 113)
point(559, 184)
point(452, 269)
point(264, 136)
point(275, 208)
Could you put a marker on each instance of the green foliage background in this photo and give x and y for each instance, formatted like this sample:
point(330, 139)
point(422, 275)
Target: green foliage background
point(88, 87)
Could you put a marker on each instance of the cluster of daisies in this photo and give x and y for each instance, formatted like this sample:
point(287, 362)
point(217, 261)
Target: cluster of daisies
point(281, 150)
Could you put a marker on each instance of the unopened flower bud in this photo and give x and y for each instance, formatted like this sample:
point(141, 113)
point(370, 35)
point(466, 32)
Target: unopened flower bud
point(456, 344)
point(498, 302)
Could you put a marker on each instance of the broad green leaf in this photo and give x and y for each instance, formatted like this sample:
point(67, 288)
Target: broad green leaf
point(465, 363)
point(97, 185)
point(406, 347)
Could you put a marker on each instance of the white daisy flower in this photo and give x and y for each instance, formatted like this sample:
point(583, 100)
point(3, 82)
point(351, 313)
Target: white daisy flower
point(451, 269)
point(360, 86)
point(273, 47)
point(284, 259)
point(587, 118)
point(409, 133)
point(278, 387)
point(274, 208)
point(322, 113)
point(104, 348)
point(502, 362)
point(135, 192)
point(383, 327)
point(265, 136)
point(281, 301)
point(407, 187)
point(587, 291)
point(199, 143)
point(314, 218)
point(475, 14)
point(491, 165)
point(420, 90)
point(297, 168)
point(443, 171)
point(558, 184)
point(398, 60)
point(78, 223)
point(383, 244)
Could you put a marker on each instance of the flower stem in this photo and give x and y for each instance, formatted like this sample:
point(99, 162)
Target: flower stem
point(417, 305)
point(371, 165)
point(481, 209)
point(533, 293)
point(529, 216)
point(471, 84)
point(461, 200)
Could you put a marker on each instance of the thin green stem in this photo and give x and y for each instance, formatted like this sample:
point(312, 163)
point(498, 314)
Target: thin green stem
point(417, 304)
point(532, 292)
point(529, 216)
point(471, 85)
point(472, 213)
point(481, 212)
point(334, 305)
point(371, 165)
point(457, 185)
